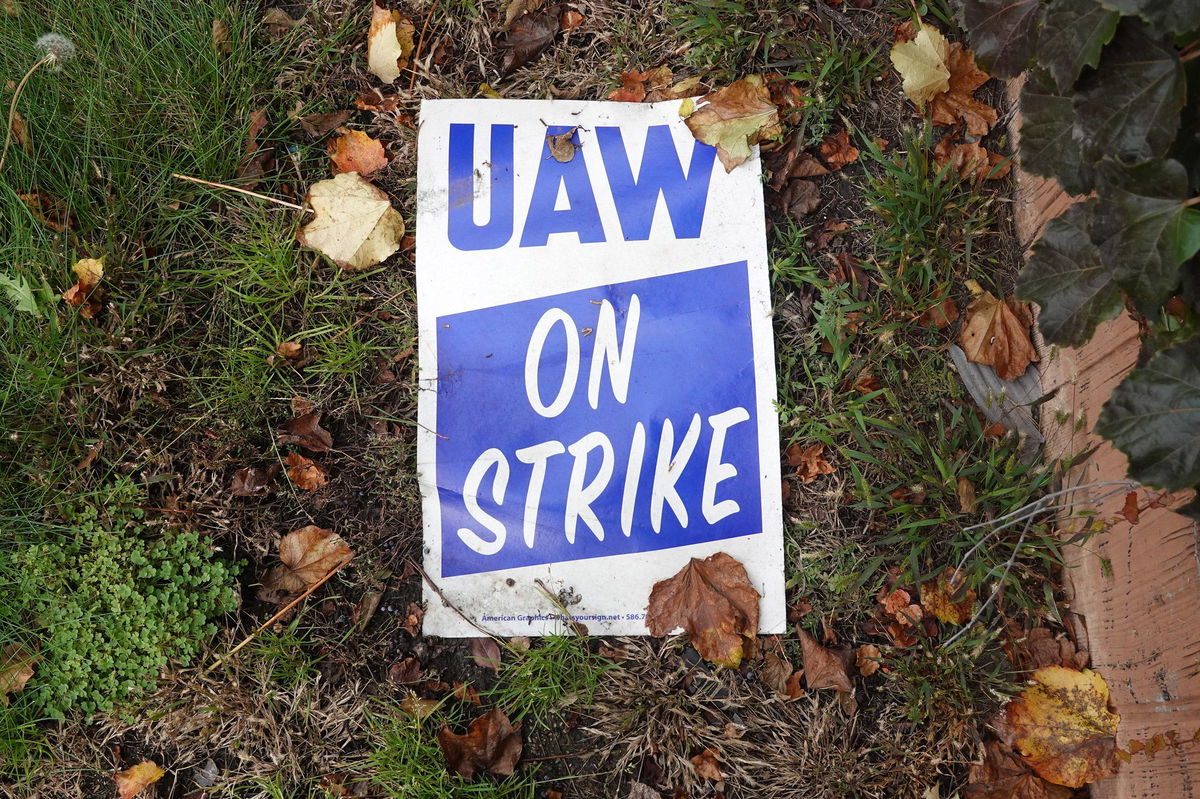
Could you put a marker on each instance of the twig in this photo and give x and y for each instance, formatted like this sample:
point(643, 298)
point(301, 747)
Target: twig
point(12, 107)
point(446, 601)
point(278, 615)
point(246, 192)
point(556, 757)
point(978, 614)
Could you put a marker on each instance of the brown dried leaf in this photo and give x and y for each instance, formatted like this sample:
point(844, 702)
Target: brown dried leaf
point(707, 766)
point(405, 672)
point(775, 673)
point(307, 555)
point(713, 601)
point(304, 473)
point(823, 668)
point(220, 36)
point(996, 334)
point(256, 160)
point(412, 618)
point(135, 779)
point(318, 126)
point(418, 708)
point(562, 145)
point(485, 652)
point(492, 743)
point(528, 37)
point(958, 104)
point(570, 19)
point(253, 481)
point(941, 316)
point(355, 151)
point(829, 230)
point(867, 659)
point(465, 692)
point(1130, 509)
point(632, 89)
point(970, 159)
point(306, 431)
point(20, 132)
point(794, 690)
point(800, 198)
point(809, 462)
point(948, 598)
point(48, 210)
point(1003, 775)
point(735, 118)
point(966, 495)
point(837, 151)
point(16, 669)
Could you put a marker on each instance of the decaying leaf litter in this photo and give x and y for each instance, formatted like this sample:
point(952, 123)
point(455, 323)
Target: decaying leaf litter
point(668, 719)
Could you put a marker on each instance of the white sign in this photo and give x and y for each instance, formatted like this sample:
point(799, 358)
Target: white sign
point(596, 365)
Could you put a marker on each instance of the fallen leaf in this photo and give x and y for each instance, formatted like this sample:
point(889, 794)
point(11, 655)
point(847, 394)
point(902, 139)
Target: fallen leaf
point(800, 198)
point(713, 601)
point(1042, 648)
point(418, 708)
point(465, 692)
point(405, 672)
point(847, 271)
point(372, 99)
point(809, 462)
point(256, 160)
point(896, 601)
point(485, 652)
point(529, 36)
point(966, 494)
point(134, 780)
point(1004, 775)
point(867, 659)
point(16, 669)
point(823, 668)
point(306, 431)
point(837, 151)
point(355, 151)
point(1130, 508)
point(831, 228)
point(969, 159)
point(220, 37)
point(921, 62)
point(355, 223)
point(996, 334)
point(775, 673)
point(957, 104)
point(320, 125)
point(492, 743)
point(735, 118)
point(306, 555)
point(412, 618)
point(290, 351)
point(304, 473)
point(253, 481)
point(570, 19)
point(1063, 728)
point(49, 211)
point(278, 22)
point(707, 766)
point(632, 89)
point(389, 42)
point(562, 145)
point(84, 294)
point(516, 8)
point(640, 790)
point(941, 316)
point(20, 132)
point(794, 691)
point(948, 598)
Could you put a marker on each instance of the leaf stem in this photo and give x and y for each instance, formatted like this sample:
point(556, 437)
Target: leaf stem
point(246, 192)
point(1195, 200)
point(12, 107)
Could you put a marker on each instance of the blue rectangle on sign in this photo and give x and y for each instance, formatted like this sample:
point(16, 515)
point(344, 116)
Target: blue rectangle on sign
point(598, 422)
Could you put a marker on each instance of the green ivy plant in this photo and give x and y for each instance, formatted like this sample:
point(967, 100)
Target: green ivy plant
point(1111, 107)
point(111, 600)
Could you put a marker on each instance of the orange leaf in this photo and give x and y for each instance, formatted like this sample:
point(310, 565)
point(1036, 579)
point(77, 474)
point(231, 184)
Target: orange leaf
point(492, 743)
point(304, 473)
point(1003, 775)
point(969, 159)
point(958, 104)
point(707, 766)
point(809, 462)
point(16, 669)
point(996, 334)
point(132, 781)
point(1130, 509)
point(355, 151)
point(867, 659)
point(713, 601)
point(837, 151)
point(948, 599)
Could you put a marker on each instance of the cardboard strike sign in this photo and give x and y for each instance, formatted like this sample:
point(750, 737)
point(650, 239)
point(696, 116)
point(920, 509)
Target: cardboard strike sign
point(597, 368)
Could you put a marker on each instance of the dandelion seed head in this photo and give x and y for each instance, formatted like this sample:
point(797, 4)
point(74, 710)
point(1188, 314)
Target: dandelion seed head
point(57, 48)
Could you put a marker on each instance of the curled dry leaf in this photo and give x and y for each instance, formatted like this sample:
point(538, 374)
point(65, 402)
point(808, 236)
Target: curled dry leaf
point(354, 223)
point(809, 462)
point(306, 555)
point(418, 708)
point(800, 198)
point(528, 37)
point(708, 766)
point(570, 19)
point(134, 780)
point(867, 659)
point(652, 85)
point(1003, 775)
point(86, 294)
point(253, 481)
point(562, 146)
point(969, 159)
point(837, 151)
point(320, 125)
point(389, 43)
point(492, 743)
point(304, 473)
point(735, 118)
point(1130, 510)
point(306, 431)
point(896, 601)
point(256, 160)
point(948, 598)
point(775, 673)
point(20, 132)
point(48, 210)
point(941, 316)
point(1063, 728)
point(966, 495)
point(16, 669)
point(957, 105)
point(823, 668)
point(485, 652)
point(921, 62)
point(715, 604)
point(996, 334)
point(355, 151)
point(405, 672)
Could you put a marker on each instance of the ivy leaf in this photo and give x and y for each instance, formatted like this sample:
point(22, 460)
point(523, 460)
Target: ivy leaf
point(1140, 224)
point(1002, 34)
point(1176, 16)
point(1073, 33)
point(1050, 138)
point(1066, 277)
point(1129, 106)
point(1153, 417)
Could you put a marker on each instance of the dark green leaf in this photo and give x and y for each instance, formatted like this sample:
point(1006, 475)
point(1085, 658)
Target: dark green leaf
point(1002, 34)
point(1153, 417)
point(1176, 16)
point(1050, 143)
point(1067, 279)
point(1184, 235)
point(1073, 33)
point(1138, 225)
point(1128, 107)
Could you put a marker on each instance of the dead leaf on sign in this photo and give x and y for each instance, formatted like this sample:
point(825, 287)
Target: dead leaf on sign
point(304, 473)
point(809, 462)
point(16, 669)
point(355, 151)
point(306, 431)
point(1063, 727)
point(562, 146)
point(354, 224)
point(823, 668)
point(306, 555)
point(492, 743)
point(996, 334)
point(389, 42)
point(134, 780)
point(714, 602)
point(735, 118)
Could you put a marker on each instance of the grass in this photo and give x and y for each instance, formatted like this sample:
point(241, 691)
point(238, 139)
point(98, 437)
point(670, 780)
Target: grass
point(556, 673)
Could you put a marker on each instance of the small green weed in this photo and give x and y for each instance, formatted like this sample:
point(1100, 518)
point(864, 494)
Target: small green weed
point(962, 683)
point(286, 651)
point(835, 74)
point(723, 33)
point(558, 671)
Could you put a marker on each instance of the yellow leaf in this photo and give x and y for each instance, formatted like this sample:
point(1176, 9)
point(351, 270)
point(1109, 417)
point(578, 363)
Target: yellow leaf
point(1063, 727)
point(132, 781)
point(89, 271)
point(687, 107)
point(922, 64)
point(948, 598)
point(736, 118)
point(389, 42)
point(355, 224)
